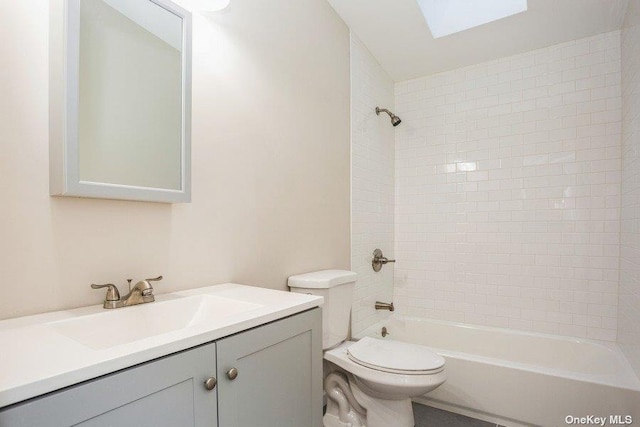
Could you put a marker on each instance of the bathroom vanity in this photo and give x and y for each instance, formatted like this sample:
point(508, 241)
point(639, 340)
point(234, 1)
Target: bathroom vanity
point(258, 361)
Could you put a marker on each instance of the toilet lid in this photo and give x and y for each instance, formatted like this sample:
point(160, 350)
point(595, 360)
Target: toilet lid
point(395, 356)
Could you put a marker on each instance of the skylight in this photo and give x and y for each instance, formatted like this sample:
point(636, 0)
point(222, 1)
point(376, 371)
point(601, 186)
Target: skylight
point(446, 17)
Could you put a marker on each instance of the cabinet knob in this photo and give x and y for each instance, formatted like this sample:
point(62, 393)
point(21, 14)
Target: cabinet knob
point(232, 374)
point(210, 383)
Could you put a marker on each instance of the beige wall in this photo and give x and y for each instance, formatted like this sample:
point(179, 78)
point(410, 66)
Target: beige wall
point(270, 165)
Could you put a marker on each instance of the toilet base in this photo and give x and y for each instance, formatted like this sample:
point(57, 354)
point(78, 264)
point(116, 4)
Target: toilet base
point(348, 406)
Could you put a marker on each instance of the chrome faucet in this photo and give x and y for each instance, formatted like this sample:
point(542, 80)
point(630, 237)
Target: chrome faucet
point(141, 293)
point(384, 306)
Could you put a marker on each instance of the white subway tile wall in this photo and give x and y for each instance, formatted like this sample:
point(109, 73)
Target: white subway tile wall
point(508, 191)
point(372, 209)
point(629, 309)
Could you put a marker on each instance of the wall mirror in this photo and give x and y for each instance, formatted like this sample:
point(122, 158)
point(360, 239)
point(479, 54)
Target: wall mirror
point(120, 100)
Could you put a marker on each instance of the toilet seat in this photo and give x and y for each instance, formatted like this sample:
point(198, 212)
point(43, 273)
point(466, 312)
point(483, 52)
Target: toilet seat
point(395, 357)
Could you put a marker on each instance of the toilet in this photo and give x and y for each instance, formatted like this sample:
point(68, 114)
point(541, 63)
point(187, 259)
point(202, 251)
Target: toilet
point(370, 382)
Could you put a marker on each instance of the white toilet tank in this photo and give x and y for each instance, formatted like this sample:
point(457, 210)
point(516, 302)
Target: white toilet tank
point(336, 287)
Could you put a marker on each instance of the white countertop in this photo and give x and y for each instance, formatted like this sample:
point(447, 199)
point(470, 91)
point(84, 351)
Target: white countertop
point(36, 358)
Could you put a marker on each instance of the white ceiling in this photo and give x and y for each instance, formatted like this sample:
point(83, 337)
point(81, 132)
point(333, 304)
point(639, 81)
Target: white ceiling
point(396, 33)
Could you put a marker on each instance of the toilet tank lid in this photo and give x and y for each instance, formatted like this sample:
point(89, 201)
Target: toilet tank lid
point(322, 279)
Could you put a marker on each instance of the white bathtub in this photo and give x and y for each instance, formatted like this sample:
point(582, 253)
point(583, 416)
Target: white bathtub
point(519, 378)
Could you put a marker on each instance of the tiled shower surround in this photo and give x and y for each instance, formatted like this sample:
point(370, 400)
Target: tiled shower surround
point(372, 210)
point(508, 181)
point(629, 310)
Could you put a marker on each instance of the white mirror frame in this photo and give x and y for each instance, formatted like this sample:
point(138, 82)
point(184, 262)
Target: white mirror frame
point(64, 173)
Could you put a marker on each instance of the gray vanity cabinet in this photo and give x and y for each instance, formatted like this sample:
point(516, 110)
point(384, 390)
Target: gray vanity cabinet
point(271, 376)
point(167, 392)
point(277, 382)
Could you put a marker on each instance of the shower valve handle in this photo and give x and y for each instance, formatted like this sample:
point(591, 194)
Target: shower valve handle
point(379, 260)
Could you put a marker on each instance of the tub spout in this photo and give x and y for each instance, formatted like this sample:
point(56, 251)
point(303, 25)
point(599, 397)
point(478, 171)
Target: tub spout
point(384, 306)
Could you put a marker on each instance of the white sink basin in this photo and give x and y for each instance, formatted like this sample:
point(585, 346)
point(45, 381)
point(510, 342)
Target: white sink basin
point(88, 342)
point(125, 325)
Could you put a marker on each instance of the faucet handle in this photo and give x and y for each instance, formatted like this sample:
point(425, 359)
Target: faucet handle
point(145, 287)
point(112, 291)
point(379, 260)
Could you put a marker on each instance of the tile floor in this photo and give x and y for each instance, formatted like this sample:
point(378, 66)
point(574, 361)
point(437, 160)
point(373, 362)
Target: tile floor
point(426, 416)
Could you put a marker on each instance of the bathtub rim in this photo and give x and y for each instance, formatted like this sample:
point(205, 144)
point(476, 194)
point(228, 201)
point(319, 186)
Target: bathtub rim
point(626, 380)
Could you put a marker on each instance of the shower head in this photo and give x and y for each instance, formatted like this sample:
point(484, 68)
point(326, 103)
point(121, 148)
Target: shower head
point(395, 120)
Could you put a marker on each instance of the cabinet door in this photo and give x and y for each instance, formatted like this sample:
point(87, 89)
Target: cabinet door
point(279, 374)
point(167, 392)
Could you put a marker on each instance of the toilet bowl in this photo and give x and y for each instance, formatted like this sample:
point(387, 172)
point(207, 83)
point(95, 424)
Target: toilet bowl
point(383, 376)
point(370, 382)
point(390, 378)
